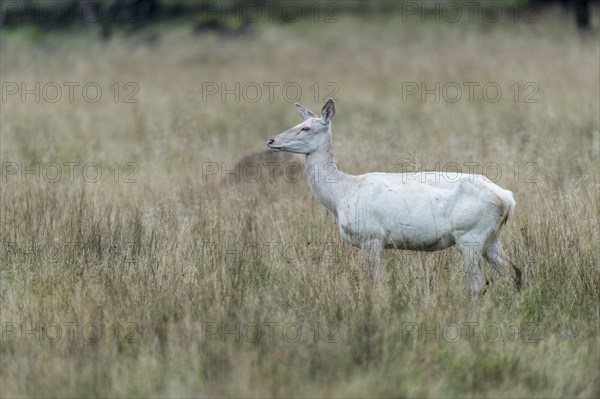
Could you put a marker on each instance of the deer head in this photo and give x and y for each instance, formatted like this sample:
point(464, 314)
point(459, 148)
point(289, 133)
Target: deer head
point(310, 135)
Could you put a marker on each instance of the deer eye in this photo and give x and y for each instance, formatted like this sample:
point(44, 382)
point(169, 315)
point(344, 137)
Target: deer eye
point(305, 129)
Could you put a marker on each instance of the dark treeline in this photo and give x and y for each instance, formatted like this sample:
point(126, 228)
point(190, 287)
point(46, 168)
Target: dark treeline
point(225, 16)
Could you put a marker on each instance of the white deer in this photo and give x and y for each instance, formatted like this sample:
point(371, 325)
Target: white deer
point(423, 211)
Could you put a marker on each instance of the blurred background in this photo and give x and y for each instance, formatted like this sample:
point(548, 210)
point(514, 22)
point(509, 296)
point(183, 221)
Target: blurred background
point(148, 250)
point(234, 17)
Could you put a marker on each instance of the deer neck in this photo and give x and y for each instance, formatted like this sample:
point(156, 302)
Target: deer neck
point(326, 180)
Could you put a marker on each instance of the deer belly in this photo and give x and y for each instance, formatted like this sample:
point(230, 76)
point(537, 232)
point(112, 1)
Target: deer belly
point(409, 240)
point(427, 229)
point(417, 243)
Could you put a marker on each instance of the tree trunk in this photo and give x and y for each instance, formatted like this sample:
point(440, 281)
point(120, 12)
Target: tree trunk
point(582, 11)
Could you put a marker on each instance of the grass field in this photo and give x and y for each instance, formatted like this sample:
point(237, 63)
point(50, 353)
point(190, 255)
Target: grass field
point(159, 279)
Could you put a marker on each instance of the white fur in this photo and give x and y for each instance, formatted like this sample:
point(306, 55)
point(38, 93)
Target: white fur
point(425, 211)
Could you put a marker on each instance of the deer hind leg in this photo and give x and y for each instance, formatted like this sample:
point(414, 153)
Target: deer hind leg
point(471, 253)
point(496, 256)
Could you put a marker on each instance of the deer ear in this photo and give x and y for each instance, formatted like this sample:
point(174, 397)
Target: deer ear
point(328, 111)
point(305, 113)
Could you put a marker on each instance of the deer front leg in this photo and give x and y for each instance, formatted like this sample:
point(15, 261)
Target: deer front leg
point(372, 252)
point(471, 253)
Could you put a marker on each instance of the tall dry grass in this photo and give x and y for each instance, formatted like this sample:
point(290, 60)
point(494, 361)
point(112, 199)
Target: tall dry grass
point(170, 279)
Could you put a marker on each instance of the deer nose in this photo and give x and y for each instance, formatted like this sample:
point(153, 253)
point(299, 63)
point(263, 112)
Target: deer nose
point(270, 141)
